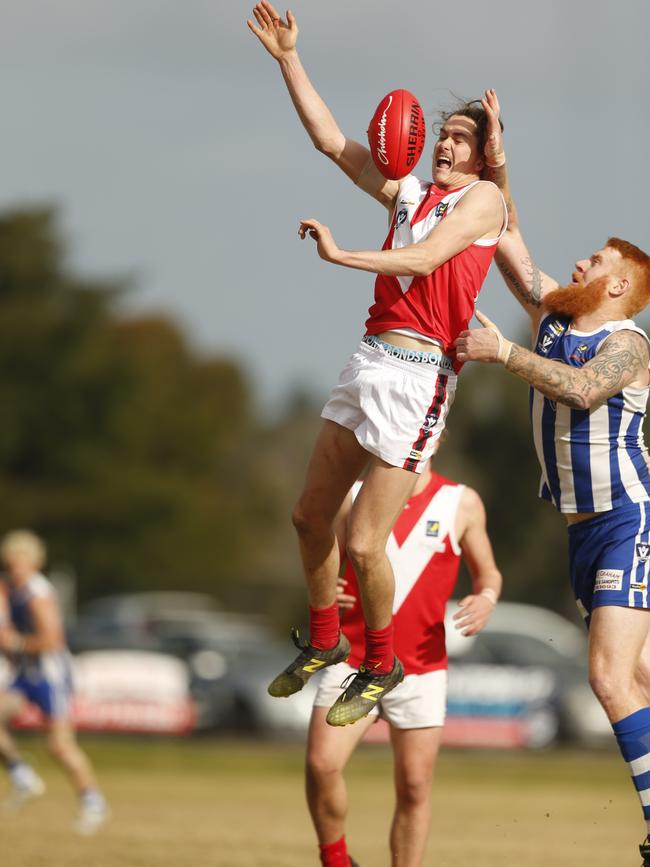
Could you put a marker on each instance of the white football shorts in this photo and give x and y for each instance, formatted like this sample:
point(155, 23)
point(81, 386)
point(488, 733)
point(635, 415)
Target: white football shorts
point(418, 702)
point(395, 400)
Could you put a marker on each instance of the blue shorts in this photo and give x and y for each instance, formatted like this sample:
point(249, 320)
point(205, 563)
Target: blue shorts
point(609, 559)
point(51, 695)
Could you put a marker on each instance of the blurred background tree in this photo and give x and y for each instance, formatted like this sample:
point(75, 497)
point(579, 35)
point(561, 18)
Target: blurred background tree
point(146, 465)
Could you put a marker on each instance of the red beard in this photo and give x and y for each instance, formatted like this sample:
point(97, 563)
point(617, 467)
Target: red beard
point(578, 299)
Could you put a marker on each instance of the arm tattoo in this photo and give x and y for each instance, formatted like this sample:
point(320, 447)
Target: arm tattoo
point(530, 296)
point(622, 359)
point(535, 279)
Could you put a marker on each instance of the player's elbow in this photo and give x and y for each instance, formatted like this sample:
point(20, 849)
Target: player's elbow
point(423, 266)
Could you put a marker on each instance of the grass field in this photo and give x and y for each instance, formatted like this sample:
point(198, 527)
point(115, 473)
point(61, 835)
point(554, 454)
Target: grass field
point(240, 804)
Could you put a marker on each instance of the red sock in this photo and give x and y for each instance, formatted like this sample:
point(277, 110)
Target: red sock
point(334, 854)
point(380, 656)
point(324, 626)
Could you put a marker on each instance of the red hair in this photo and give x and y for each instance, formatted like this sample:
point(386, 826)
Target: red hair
point(635, 268)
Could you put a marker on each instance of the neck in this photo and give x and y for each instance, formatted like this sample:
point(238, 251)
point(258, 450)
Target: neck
point(423, 480)
point(593, 321)
point(453, 181)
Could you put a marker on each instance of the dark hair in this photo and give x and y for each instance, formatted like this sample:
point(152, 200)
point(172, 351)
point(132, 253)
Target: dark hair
point(468, 108)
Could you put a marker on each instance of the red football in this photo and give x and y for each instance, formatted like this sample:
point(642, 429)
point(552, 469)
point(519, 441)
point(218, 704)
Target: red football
point(396, 134)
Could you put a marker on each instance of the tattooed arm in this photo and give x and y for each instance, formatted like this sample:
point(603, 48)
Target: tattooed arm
point(522, 276)
point(622, 360)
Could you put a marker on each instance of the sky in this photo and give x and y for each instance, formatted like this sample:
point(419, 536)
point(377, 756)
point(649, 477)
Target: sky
point(164, 132)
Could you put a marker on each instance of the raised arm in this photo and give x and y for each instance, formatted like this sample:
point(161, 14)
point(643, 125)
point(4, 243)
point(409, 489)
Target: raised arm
point(522, 276)
point(279, 37)
point(471, 530)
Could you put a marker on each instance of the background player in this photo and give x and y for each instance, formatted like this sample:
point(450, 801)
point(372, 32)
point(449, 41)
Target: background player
point(589, 379)
point(390, 405)
point(441, 521)
point(32, 636)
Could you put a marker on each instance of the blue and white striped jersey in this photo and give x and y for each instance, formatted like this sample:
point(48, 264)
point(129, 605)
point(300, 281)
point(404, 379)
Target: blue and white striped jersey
point(53, 665)
point(592, 460)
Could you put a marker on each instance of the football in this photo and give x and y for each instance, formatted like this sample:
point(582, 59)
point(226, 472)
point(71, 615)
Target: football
point(396, 134)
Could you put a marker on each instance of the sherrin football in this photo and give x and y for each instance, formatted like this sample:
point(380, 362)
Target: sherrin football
point(396, 134)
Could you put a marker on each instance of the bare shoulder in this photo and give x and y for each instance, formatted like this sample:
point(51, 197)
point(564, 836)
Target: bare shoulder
point(626, 344)
point(484, 195)
point(471, 505)
point(622, 360)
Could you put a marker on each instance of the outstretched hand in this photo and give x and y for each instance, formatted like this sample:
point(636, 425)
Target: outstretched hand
point(325, 243)
point(277, 36)
point(494, 152)
point(482, 344)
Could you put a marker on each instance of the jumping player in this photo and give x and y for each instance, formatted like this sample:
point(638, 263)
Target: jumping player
point(31, 634)
point(390, 404)
point(588, 373)
point(441, 521)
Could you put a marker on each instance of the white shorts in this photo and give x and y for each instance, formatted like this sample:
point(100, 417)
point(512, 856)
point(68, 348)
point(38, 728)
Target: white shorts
point(418, 702)
point(396, 407)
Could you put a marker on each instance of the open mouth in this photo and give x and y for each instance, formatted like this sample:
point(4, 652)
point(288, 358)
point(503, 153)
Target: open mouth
point(443, 163)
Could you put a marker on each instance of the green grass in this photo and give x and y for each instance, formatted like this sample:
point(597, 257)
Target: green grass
point(214, 803)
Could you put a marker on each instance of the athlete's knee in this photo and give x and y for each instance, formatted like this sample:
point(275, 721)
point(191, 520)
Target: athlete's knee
point(308, 519)
point(62, 747)
point(365, 551)
point(322, 769)
point(412, 789)
point(607, 684)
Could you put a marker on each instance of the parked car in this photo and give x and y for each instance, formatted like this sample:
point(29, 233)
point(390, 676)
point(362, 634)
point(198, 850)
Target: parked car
point(522, 681)
point(230, 658)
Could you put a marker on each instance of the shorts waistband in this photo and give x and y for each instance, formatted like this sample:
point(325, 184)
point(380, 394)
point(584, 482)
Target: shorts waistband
point(417, 356)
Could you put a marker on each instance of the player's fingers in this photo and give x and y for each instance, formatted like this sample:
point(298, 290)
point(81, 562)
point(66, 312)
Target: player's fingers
point(270, 8)
point(291, 20)
point(266, 16)
point(260, 18)
point(485, 322)
point(252, 27)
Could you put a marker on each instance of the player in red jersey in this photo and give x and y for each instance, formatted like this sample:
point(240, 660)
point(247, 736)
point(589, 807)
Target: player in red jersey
point(441, 521)
point(389, 406)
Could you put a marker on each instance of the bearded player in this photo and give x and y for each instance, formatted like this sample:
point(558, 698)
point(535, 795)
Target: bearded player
point(441, 521)
point(390, 404)
point(589, 381)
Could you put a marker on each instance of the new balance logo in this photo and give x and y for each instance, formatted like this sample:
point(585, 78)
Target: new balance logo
point(313, 665)
point(372, 692)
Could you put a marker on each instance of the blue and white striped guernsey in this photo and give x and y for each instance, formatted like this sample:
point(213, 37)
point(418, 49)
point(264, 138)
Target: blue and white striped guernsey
point(592, 460)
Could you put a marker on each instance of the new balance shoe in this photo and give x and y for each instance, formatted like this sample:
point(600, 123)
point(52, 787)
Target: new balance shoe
point(308, 662)
point(644, 849)
point(361, 692)
point(93, 813)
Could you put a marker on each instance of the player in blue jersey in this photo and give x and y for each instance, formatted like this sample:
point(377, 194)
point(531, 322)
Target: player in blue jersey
point(31, 635)
point(588, 373)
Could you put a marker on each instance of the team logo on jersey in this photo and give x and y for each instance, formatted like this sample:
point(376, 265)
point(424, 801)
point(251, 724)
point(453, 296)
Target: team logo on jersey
point(433, 528)
point(441, 209)
point(643, 551)
point(552, 330)
point(401, 217)
point(429, 421)
point(582, 348)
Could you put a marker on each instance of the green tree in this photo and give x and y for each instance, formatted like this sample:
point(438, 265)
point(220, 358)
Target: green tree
point(123, 447)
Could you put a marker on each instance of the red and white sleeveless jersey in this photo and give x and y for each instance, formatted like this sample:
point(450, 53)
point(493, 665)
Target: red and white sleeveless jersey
point(440, 305)
point(425, 557)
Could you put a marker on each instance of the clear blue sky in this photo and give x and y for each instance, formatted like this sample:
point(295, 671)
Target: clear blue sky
point(164, 131)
